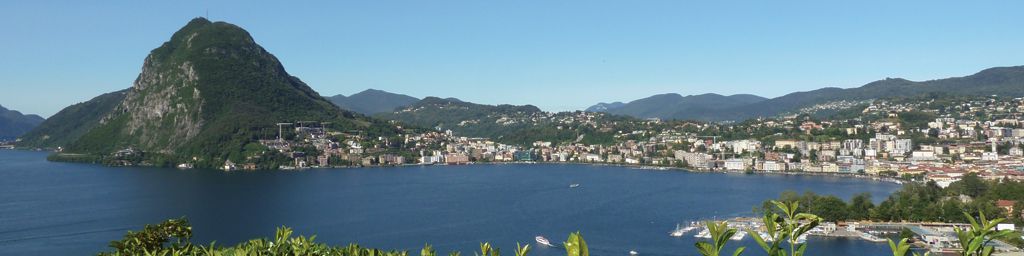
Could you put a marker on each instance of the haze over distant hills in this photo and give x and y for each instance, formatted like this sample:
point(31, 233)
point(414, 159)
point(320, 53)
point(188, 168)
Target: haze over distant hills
point(372, 101)
point(1004, 81)
point(675, 106)
point(14, 123)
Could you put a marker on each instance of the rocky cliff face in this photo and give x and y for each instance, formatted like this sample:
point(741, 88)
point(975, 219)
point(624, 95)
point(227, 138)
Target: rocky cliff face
point(206, 95)
point(163, 91)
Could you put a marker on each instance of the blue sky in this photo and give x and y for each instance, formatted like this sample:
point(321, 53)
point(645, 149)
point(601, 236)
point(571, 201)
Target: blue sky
point(555, 54)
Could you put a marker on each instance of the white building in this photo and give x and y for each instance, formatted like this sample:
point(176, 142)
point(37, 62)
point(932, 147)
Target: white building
point(735, 164)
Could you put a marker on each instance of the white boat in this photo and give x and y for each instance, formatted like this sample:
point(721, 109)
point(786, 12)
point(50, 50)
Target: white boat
point(574, 185)
point(544, 241)
point(703, 234)
point(633, 253)
point(738, 236)
point(872, 238)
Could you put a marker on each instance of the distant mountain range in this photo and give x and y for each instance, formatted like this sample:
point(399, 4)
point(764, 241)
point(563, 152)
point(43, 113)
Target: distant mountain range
point(1004, 81)
point(675, 106)
point(205, 96)
point(372, 101)
point(14, 123)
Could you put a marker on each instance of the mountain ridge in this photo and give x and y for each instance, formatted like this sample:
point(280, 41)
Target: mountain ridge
point(1006, 81)
point(372, 101)
point(205, 97)
point(14, 123)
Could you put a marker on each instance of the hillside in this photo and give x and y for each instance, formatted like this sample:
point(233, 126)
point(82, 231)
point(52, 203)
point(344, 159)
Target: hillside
point(371, 101)
point(1003, 81)
point(72, 122)
point(14, 123)
point(605, 107)
point(468, 119)
point(205, 96)
point(675, 106)
point(510, 124)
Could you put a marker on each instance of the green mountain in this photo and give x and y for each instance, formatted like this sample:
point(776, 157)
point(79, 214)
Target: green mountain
point(371, 102)
point(468, 119)
point(206, 96)
point(14, 124)
point(511, 124)
point(71, 122)
point(675, 106)
point(1003, 81)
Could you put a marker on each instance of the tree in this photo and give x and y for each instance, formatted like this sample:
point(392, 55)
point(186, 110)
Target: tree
point(829, 208)
point(860, 207)
point(720, 235)
point(974, 241)
point(972, 185)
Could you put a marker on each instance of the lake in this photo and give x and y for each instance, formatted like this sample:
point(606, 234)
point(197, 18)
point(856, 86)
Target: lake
point(49, 208)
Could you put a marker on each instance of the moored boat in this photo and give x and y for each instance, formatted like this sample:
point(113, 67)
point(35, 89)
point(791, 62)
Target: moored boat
point(544, 241)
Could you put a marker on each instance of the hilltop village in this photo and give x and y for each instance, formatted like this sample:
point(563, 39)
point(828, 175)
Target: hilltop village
point(935, 140)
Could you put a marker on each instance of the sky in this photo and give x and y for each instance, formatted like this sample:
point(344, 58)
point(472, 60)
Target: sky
point(554, 54)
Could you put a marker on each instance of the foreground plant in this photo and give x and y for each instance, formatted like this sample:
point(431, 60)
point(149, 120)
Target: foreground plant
point(902, 248)
point(974, 241)
point(720, 235)
point(575, 245)
point(788, 227)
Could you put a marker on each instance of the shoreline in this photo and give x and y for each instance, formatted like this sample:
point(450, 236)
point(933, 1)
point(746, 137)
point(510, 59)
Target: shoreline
point(629, 166)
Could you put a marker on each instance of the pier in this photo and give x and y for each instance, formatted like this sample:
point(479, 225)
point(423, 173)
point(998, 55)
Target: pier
point(939, 238)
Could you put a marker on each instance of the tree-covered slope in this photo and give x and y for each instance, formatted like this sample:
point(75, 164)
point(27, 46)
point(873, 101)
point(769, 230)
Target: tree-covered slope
point(1003, 81)
point(371, 101)
point(675, 106)
point(469, 119)
point(14, 123)
point(206, 94)
point(71, 122)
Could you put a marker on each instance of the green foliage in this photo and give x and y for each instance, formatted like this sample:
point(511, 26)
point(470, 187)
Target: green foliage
point(522, 250)
point(575, 245)
point(720, 235)
point(153, 238)
point(902, 248)
point(785, 223)
point(71, 122)
point(974, 241)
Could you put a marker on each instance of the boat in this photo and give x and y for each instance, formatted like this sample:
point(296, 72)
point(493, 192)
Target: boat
point(680, 230)
point(544, 241)
point(633, 253)
point(738, 236)
point(574, 185)
point(703, 234)
point(871, 238)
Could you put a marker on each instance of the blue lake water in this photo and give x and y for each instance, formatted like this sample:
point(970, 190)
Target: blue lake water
point(49, 208)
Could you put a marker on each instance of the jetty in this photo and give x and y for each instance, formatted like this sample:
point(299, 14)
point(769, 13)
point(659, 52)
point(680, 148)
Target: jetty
point(939, 238)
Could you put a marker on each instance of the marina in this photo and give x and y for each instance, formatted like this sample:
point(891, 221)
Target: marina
point(933, 237)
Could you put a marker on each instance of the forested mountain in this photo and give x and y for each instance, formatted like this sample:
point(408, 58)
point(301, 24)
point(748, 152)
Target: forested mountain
point(206, 96)
point(675, 106)
point(468, 119)
point(1003, 81)
point(371, 101)
point(71, 122)
point(14, 123)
